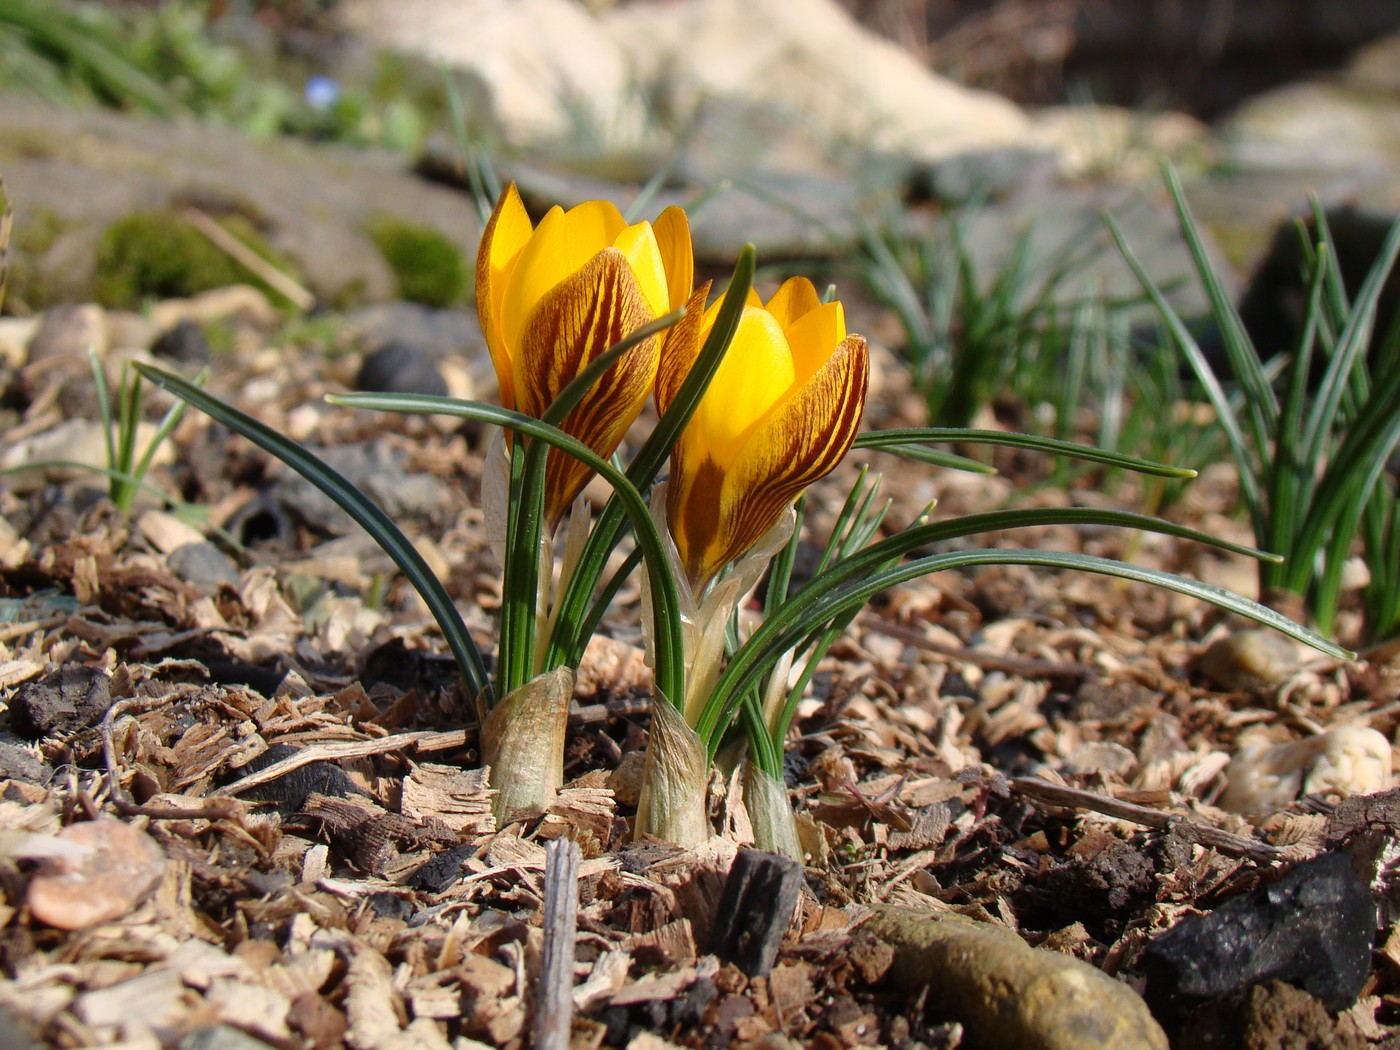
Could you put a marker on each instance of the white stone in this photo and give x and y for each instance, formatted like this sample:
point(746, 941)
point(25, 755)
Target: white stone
point(810, 59)
point(1347, 760)
point(550, 68)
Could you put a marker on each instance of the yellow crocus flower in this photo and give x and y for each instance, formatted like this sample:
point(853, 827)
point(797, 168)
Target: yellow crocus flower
point(552, 298)
point(780, 413)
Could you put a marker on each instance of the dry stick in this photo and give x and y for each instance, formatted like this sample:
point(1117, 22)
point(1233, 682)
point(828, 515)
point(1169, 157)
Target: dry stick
point(554, 994)
point(1206, 834)
point(422, 741)
point(241, 253)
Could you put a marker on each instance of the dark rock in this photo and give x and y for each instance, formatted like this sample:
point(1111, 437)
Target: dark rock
point(755, 909)
point(289, 792)
point(1313, 928)
point(267, 883)
point(395, 664)
point(185, 342)
point(71, 698)
point(400, 368)
point(390, 906)
point(1273, 305)
point(203, 566)
point(443, 870)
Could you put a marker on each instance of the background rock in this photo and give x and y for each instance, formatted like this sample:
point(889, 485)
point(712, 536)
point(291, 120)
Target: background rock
point(70, 173)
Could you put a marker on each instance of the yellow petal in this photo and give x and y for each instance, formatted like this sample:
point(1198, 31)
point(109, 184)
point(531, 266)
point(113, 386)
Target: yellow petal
point(717, 514)
point(795, 298)
point(755, 374)
point(638, 243)
point(813, 336)
point(501, 243)
point(677, 256)
point(562, 243)
point(574, 322)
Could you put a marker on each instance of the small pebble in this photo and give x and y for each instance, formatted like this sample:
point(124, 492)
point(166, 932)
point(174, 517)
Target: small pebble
point(120, 867)
point(185, 342)
point(399, 368)
point(1251, 661)
point(203, 566)
point(1345, 761)
point(71, 698)
point(67, 332)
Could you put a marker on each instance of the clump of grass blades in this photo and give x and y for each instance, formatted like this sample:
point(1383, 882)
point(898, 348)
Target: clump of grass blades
point(966, 339)
point(1311, 447)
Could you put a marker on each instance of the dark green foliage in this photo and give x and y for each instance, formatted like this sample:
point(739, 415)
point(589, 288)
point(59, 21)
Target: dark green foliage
point(428, 268)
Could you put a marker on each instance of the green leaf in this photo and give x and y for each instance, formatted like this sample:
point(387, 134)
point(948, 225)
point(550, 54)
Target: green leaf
point(897, 440)
point(777, 635)
point(670, 661)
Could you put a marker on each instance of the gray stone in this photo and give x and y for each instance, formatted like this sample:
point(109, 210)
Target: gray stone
point(67, 332)
point(441, 333)
point(1065, 222)
point(220, 1037)
point(203, 566)
point(372, 467)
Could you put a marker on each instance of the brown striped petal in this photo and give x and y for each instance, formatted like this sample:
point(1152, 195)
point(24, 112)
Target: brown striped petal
point(572, 324)
point(717, 515)
point(679, 349)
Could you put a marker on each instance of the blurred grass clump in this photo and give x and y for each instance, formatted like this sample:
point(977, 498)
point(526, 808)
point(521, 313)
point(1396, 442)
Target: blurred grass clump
point(189, 57)
point(428, 268)
point(159, 255)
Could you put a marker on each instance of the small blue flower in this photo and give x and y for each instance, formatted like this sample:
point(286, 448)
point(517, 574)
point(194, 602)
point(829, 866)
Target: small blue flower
point(321, 93)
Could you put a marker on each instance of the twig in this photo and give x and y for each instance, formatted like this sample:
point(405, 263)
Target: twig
point(245, 256)
point(422, 741)
point(554, 993)
point(1206, 834)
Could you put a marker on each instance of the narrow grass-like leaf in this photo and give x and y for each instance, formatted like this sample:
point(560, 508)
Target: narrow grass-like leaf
point(779, 634)
point(897, 440)
point(670, 669)
point(1261, 408)
point(350, 499)
point(809, 609)
point(1290, 478)
point(1224, 411)
point(1352, 343)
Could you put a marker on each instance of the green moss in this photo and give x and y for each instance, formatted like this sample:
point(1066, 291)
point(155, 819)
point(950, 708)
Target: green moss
point(158, 255)
point(33, 235)
point(427, 267)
